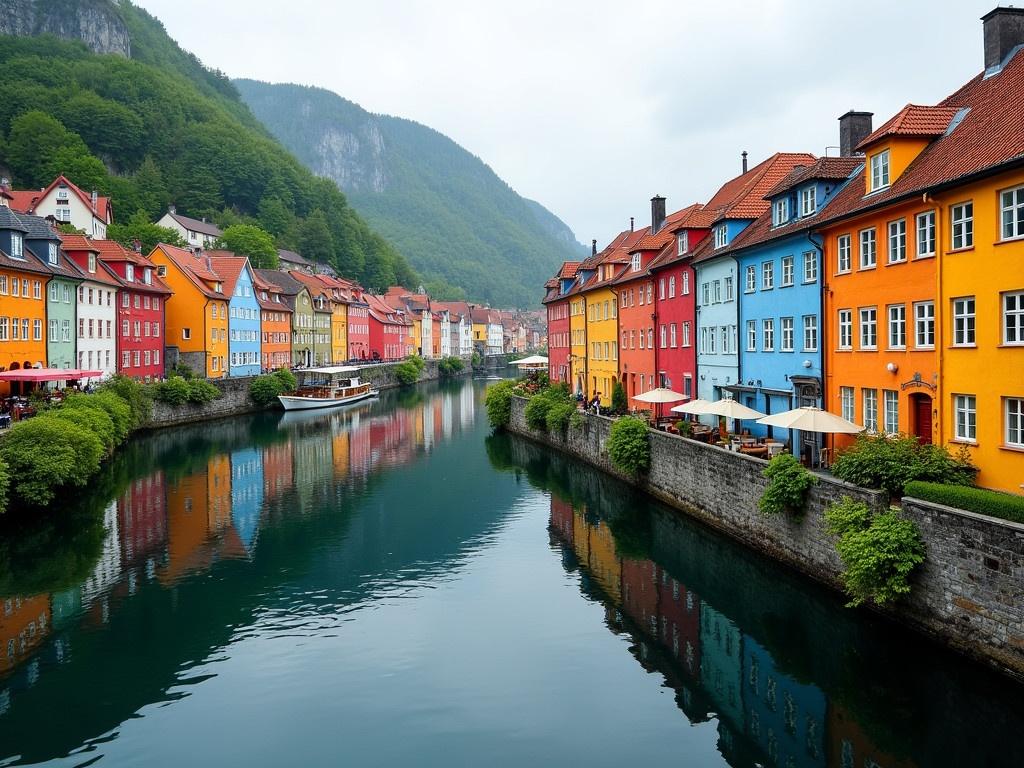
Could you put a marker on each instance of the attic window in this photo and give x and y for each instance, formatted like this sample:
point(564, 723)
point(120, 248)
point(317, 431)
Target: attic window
point(52, 253)
point(92, 262)
point(808, 200)
point(218, 287)
point(636, 262)
point(17, 246)
point(880, 170)
point(263, 295)
point(780, 212)
point(684, 242)
point(147, 276)
point(161, 271)
point(129, 272)
point(721, 236)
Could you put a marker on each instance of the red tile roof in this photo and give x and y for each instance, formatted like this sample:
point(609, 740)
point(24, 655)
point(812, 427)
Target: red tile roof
point(23, 200)
point(229, 267)
point(194, 268)
point(912, 120)
point(835, 168)
point(32, 198)
point(743, 197)
point(76, 242)
point(568, 269)
point(988, 137)
point(673, 222)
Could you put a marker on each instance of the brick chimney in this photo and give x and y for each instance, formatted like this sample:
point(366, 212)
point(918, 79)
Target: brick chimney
point(657, 213)
point(1004, 31)
point(854, 127)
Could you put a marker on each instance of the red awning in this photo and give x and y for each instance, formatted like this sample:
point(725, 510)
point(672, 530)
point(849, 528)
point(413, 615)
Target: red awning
point(48, 374)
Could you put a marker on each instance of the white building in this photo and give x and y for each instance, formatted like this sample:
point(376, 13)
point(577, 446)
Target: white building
point(465, 336)
point(67, 203)
point(198, 233)
point(495, 334)
point(446, 332)
point(97, 319)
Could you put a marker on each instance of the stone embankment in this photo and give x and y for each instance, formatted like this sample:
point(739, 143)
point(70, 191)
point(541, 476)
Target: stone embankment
point(968, 595)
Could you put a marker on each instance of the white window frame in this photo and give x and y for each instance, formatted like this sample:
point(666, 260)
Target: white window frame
point(1011, 213)
point(635, 262)
point(868, 253)
point(751, 335)
point(683, 243)
point(868, 327)
point(810, 266)
point(808, 201)
point(925, 226)
point(768, 335)
point(767, 275)
point(780, 213)
point(1011, 309)
point(964, 310)
point(810, 333)
point(786, 332)
point(751, 281)
point(879, 164)
point(846, 403)
point(788, 271)
point(844, 254)
point(896, 315)
point(869, 403)
point(924, 325)
point(891, 411)
point(1013, 411)
point(845, 325)
point(897, 251)
point(721, 236)
point(961, 225)
point(965, 418)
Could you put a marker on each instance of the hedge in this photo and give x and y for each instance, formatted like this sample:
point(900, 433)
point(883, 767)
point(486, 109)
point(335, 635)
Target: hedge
point(992, 503)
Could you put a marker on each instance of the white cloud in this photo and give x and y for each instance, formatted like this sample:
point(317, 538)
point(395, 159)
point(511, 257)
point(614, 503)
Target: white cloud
point(593, 107)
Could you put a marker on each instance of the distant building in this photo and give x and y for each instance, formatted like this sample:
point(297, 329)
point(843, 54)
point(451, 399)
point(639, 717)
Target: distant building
point(198, 233)
point(68, 204)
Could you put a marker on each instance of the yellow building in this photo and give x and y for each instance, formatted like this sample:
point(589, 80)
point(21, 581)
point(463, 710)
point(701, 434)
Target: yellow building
point(578, 341)
point(602, 333)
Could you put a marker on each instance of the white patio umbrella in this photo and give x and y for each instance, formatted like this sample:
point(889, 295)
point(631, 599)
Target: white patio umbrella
point(811, 419)
point(533, 362)
point(732, 409)
point(696, 407)
point(660, 395)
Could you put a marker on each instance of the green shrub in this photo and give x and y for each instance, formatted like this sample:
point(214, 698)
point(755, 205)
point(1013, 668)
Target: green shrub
point(95, 420)
point(476, 360)
point(788, 484)
point(576, 420)
point(684, 428)
point(498, 401)
point(418, 362)
point(620, 403)
point(286, 379)
point(45, 453)
point(1006, 506)
point(181, 369)
point(264, 389)
point(629, 446)
point(559, 415)
point(407, 373)
point(118, 410)
point(536, 412)
point(890, 463)
point(133, 393)
point(174, 391)
point(201, 391)
point(5, 485)
point(450, 366)
point(879, 552)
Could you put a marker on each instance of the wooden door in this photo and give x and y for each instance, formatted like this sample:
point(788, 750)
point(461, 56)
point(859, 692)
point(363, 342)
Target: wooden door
point(923, 418)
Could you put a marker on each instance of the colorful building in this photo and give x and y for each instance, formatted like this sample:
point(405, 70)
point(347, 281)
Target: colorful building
point(296, 298)
point(323, 315)
point(88, 212)
point(275, 326)
point(43, 242)
point(96, 308)
point(559, 332)
point(390, 330)
point(244, 328)
point(22, 302)
point(196, 313)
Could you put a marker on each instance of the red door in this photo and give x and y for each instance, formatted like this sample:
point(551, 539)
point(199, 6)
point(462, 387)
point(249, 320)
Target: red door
point(923, 418)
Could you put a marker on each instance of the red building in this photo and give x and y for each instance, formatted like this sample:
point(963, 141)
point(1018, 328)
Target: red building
point(675, 304)
point(642, 335)
point(390, 330)
point(140, 311)
point(559, 332)
point(142, 520)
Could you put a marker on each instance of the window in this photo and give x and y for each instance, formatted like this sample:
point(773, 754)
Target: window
point(925, 234)
point(642, 340)
point(683, 242)
point(751, 279)
point(673, 341)
point(3, 328)
point(3, 285)
point(186, 333)
point(786, 327)
point(843, 254)
point(65, 330)
point(650, 338)
point(52, 253)
point(810, 266)
point(686, 284)
point(787, 270)
point(965, 417)
point(767, 275)
point(635, 262)
point(751, 335)
point(54, 291)
point(156, 329)
point(868, 249)
point(686, 333)
point(721, 236)
point(898, 326)
point(880, 170)
point(768, 328)
point(15, 287)
point(924, 324)
point(780, 213)
point(24, 329)
point(17, 246)
point(845, 329)
point(1011, 205)
point(92, 262)
point(870, 398)
point(810, 333)
point(15, 328)
point(897, 241)
point(712, 341)
point(129, 272)
point(703, 340)
point(663, 336)
point(728, 288)
point(1014, 434)
point(726, 339)
point(890, 411)
point(53, 328)
point(808, 201)
point(961, 217)
point(706, 292)
point(688, 385)
point(868, 328)
point(1013, 318)
point(963, 322)
point(672, 286)
point(846, 403)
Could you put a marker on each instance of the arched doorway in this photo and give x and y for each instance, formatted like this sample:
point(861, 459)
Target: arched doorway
point(921, 417)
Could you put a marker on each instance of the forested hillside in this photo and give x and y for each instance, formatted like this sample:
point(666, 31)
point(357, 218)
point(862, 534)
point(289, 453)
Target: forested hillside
point(159, 128)
point(443, 207)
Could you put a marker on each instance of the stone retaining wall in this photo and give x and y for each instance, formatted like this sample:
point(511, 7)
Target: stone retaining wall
point(969, 594)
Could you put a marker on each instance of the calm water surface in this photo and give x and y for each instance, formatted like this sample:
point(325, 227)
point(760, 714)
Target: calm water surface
point(391, 585)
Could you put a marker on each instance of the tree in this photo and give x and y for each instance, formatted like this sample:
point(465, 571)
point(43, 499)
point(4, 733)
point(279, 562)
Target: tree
point(249, 240)
point(45, 453)
point(139, 227)
point(34, 140)
point(315, 241)
point(151, 190)
point(275, 217)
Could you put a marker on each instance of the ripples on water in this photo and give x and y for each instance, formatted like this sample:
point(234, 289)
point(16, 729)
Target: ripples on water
point(390, 585)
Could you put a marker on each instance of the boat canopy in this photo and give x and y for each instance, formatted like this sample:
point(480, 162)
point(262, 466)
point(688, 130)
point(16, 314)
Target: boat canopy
point(336, 370)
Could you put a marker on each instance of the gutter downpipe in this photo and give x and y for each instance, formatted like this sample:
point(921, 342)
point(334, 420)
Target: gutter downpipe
point(938, 409)
point(823, 326)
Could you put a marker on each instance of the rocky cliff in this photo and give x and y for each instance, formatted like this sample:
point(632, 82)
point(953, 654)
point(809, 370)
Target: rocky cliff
point(97, 23)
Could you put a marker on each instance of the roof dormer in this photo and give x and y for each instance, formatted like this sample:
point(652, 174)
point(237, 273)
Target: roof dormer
point(891, 149)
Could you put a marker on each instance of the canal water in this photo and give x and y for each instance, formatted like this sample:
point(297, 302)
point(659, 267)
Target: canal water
point(392, 585)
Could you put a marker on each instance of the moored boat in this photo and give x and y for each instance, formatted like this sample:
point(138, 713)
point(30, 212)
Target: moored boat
point(327, 388)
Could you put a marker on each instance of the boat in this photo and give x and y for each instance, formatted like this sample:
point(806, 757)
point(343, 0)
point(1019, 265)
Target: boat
point(327, 388)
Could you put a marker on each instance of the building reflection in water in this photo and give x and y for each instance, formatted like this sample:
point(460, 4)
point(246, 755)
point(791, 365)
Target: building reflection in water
point(764, 716)
point(206, 505)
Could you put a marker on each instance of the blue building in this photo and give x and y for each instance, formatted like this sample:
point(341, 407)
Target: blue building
point(735, 206)
point(246, 494)
point(780, 297)
point(243, 313)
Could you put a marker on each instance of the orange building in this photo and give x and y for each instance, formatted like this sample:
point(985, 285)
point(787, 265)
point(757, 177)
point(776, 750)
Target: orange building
point(275, 325)
point(22, 299)
point(24, 624)
point(197, 312)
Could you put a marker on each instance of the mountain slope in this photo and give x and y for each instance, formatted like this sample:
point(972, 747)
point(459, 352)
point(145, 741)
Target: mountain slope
point(444, 208)
point(147, 124)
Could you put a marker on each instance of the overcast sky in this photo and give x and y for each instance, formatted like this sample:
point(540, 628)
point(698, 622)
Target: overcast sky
point(593, 107)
